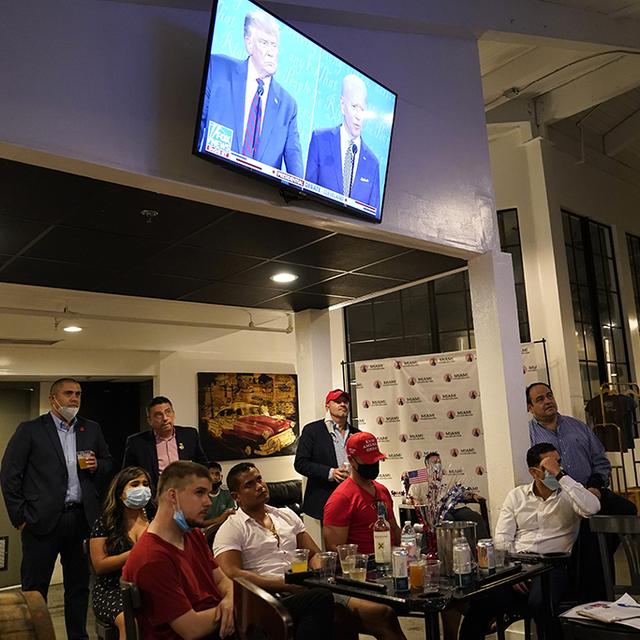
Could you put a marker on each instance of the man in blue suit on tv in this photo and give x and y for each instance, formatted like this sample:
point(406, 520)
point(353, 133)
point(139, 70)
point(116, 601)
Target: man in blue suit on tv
point(243, 101)
point(338, 158)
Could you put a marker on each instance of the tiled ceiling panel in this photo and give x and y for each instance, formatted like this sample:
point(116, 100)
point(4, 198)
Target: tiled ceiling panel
point(65, 231)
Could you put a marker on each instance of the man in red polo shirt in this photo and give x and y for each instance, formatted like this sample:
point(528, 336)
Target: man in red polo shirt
point(353, 507)
point(184, 593)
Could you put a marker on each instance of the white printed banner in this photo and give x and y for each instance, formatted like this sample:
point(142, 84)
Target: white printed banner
point(428, 403)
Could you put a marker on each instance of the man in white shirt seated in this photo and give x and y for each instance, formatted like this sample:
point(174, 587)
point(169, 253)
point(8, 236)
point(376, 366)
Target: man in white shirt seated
point(257, 543)
point(541, 517)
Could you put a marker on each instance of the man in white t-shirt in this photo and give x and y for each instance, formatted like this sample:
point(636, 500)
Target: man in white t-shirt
point(257, 543)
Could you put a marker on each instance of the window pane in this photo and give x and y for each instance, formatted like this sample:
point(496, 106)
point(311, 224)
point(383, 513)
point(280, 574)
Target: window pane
point(388, 319)
point(451, 308)
point(455, 341)
point(415, 312)
point(360, 322)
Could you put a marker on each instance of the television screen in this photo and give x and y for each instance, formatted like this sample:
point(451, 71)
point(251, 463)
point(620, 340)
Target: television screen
point(278, 105)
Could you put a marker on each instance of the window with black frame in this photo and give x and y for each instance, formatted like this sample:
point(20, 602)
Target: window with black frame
point(597, 308)
point(430, 317)
point(633, 245)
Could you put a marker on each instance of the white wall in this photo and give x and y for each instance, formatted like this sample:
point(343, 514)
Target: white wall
point(540, 180)
point(117, 84)
point(174, 373)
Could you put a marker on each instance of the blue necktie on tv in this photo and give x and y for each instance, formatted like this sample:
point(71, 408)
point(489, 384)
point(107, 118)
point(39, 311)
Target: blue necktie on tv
point(252, 132)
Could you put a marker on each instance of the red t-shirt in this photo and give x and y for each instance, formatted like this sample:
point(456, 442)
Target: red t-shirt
point(171, 581)
point(351, 506)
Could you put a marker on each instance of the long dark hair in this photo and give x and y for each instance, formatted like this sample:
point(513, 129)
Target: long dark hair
point(118, 540)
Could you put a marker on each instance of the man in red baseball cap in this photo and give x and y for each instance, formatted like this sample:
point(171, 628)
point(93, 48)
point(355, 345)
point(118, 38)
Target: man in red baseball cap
point(321, 455)
point(352, 508)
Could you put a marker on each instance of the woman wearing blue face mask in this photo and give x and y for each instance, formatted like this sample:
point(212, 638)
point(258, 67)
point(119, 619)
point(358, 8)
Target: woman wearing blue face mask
point(123, 521)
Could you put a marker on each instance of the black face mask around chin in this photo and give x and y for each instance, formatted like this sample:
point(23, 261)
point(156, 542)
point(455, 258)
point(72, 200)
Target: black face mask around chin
point(215, 486)
point(369, 471)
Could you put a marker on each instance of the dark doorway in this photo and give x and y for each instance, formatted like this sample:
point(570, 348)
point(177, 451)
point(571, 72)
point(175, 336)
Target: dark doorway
point(119, 407)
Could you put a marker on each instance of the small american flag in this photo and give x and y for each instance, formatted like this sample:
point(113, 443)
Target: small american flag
point(417, 477)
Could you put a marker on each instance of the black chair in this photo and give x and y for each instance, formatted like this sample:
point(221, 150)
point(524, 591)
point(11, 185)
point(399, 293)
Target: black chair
point(131, 601)
point(104, 631)
point(628, 529)
point(286, 493)
point(258, 615)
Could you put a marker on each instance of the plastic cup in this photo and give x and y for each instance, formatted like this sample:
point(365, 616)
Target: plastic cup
point(300, 560)
point(83, 458)
point(416, 575)
point(359, 571)
point(432, 576)
point(347, 555)
point(499, 553)
point(328, 565)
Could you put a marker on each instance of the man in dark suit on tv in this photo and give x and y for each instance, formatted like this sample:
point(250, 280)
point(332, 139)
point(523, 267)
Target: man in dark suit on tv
point(50, 474)
point(321, 455)
point(338, 158)
point(242, 98)
point(163, 444)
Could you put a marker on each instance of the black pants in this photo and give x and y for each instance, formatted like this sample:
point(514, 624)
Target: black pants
point(312, 613)
point(39, 555)
point(588, 565)
point(483, 610)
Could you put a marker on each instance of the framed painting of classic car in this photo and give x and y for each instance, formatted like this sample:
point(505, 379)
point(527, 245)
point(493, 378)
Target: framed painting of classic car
point(248, 415)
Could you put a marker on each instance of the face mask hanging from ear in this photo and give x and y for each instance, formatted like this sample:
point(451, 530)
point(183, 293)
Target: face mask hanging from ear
point(179, 519)
point(68, 413)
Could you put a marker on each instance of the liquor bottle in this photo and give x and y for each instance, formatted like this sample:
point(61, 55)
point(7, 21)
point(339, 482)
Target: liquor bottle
point(382, 539)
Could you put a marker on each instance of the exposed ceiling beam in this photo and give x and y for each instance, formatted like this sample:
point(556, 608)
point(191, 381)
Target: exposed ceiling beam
point(526, 68)
point(468, 17)
point(622, 135)
point(604, 83)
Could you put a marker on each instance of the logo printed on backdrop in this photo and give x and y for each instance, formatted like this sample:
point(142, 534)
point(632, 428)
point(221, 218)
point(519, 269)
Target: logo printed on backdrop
point(454, 453)
point(414, 402)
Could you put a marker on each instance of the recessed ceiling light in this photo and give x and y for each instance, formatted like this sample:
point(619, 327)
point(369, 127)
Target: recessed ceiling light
point(284, 277)
point(73, 329)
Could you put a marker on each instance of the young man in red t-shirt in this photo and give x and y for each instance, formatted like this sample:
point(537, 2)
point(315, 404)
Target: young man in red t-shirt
point(353, 507)
point(184, 593)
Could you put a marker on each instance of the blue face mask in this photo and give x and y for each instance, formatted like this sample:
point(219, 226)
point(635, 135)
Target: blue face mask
point(550, 481)
point(180, 520)
point(137, 497)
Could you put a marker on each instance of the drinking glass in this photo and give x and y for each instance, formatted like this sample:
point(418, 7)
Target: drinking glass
point(300, 560)
point(499, 552)
point(347, 554)
point(432, 576)
point(359, 571)
point(83, 457)
point(328, 565)
point(416, 575)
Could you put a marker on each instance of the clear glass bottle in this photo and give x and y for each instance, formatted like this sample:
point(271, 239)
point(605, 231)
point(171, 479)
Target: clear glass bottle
point(382, 539)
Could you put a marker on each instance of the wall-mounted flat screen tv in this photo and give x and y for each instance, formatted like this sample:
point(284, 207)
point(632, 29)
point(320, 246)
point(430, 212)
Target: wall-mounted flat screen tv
point(277, 104)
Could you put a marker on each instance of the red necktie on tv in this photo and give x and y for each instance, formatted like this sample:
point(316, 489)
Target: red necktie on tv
point(252, 132)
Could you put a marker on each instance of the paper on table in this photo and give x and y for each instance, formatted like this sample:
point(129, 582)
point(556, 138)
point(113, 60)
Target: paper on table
point(626, 601)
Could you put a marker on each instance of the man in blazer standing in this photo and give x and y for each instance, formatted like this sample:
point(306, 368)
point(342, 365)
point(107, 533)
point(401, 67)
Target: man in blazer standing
point(321, 455)
point(164, 443)
point(50, 474)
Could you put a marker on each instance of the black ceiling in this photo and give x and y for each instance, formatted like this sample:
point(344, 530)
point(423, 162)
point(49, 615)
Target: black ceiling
point(66, 231)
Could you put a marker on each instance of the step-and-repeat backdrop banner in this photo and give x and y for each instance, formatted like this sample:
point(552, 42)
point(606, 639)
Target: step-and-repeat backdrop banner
point(429, 403)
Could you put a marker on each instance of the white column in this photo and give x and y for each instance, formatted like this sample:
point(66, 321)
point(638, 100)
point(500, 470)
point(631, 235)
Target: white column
point(319, 351)
point(504, 415)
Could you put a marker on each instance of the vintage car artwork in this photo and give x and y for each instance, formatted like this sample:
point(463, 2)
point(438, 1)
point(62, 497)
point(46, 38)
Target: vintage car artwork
point(246, 415)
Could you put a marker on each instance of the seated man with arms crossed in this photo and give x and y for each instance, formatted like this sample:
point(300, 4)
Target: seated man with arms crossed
point(256, 543)
point(541, 517)
point(184, 593)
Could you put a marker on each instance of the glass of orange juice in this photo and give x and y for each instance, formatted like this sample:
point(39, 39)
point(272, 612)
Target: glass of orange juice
point(300, 560)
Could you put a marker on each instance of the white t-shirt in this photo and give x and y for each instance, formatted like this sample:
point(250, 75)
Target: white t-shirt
point(260, 549)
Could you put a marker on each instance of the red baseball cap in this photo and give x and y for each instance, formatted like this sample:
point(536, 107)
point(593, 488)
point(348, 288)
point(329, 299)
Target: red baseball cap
point(335, 394)
point(364, 446)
